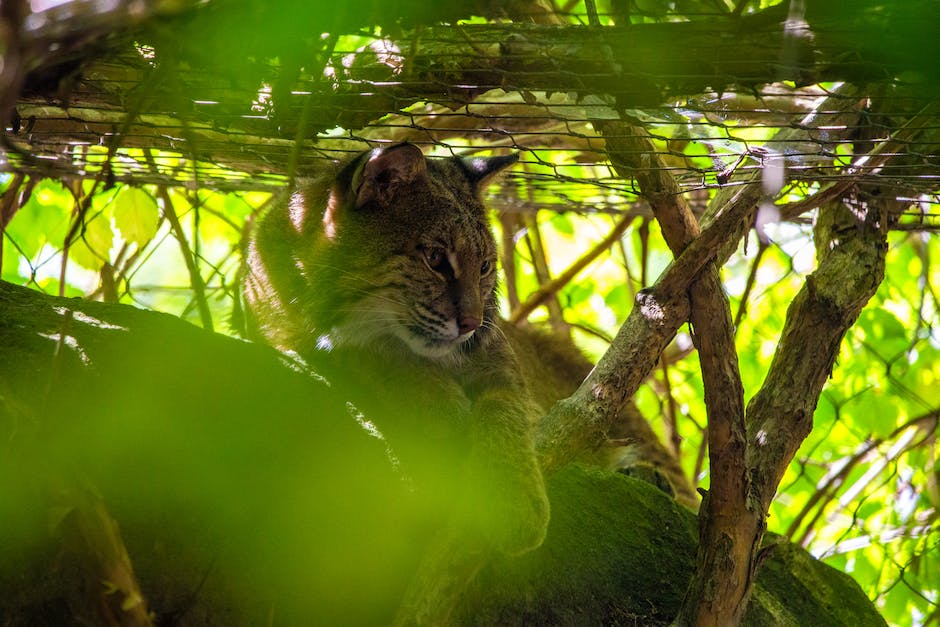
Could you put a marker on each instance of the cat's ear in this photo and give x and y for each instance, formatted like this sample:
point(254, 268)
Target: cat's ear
point(385, 171)
point(480, 170)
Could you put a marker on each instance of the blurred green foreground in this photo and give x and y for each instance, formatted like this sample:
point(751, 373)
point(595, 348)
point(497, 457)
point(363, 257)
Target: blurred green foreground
point(241, 491)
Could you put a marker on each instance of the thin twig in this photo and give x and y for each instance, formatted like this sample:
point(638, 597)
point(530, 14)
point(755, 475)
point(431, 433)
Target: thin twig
point(669, 415)
point(593, 18)
point(508, 224)
point(589, 330)
point(749, 285)
point(643, 232)
point(82, 204)
point(541, 295)
point(195, 278)
point(533, 238)
point(832, 482)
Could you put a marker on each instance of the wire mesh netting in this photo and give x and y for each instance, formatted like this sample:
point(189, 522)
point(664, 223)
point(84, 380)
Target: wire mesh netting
point(373, 91)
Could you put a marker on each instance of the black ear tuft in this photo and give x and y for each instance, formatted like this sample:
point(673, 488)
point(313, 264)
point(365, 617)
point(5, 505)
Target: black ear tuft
point(384, 171)
point(481, 169)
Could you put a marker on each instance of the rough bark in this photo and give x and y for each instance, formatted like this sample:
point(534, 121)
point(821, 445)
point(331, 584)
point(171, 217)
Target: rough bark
point(852, 252)
point(733, 513)
point(732, 524)
point(580, 423)
point(713, 335)
point(779, 416)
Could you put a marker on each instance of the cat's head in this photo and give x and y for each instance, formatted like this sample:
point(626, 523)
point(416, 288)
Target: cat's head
point(416, 257)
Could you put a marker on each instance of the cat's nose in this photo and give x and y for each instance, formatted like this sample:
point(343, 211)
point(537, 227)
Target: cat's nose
point(466, 324)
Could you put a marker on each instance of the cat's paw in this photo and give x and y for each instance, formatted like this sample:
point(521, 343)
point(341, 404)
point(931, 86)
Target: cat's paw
point(509, 506)
point(527, 523)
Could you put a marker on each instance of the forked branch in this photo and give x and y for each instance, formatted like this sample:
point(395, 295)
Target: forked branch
point(711, 320)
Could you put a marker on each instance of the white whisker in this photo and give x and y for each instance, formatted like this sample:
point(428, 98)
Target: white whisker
point(490, 324)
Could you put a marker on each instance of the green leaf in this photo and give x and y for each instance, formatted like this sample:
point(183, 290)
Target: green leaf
point(576, 293)
point(562, 224)
point(43, 220)
point(92, 247)
point(876, 413)
point(844, 154)
point(136, 215)
point(619, 300)
point(900, 602)
point(238, 207)
point(869, 508)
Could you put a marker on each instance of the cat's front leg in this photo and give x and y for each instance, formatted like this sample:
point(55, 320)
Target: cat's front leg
point(507, 493)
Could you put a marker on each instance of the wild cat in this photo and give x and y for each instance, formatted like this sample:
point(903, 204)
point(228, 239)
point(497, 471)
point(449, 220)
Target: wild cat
point(384, 278)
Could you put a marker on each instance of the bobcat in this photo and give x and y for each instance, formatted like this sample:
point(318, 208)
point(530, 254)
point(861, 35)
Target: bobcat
point(384, 279)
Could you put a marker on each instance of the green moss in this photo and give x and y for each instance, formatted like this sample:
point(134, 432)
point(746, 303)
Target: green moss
point(621, 552)
point(793, 586)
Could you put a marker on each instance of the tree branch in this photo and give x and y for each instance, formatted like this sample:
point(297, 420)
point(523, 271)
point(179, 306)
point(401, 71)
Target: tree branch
point(556, 316)
point(546, 291)
point(93, 539)
point(710, 315)
point(189, 258)
point(780, 415)
point(242, 537)
point(829, 485)
point(580, 422)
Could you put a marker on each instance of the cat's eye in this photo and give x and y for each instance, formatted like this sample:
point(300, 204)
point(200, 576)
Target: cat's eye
point(485, 268)
point(436, 258)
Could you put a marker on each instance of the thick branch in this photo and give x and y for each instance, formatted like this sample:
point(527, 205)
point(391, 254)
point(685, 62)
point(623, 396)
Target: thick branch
point(780, 415)
point(724, 398)
point(228, 512)
point(93, 537)
point(731, 525)
point(580, 423)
